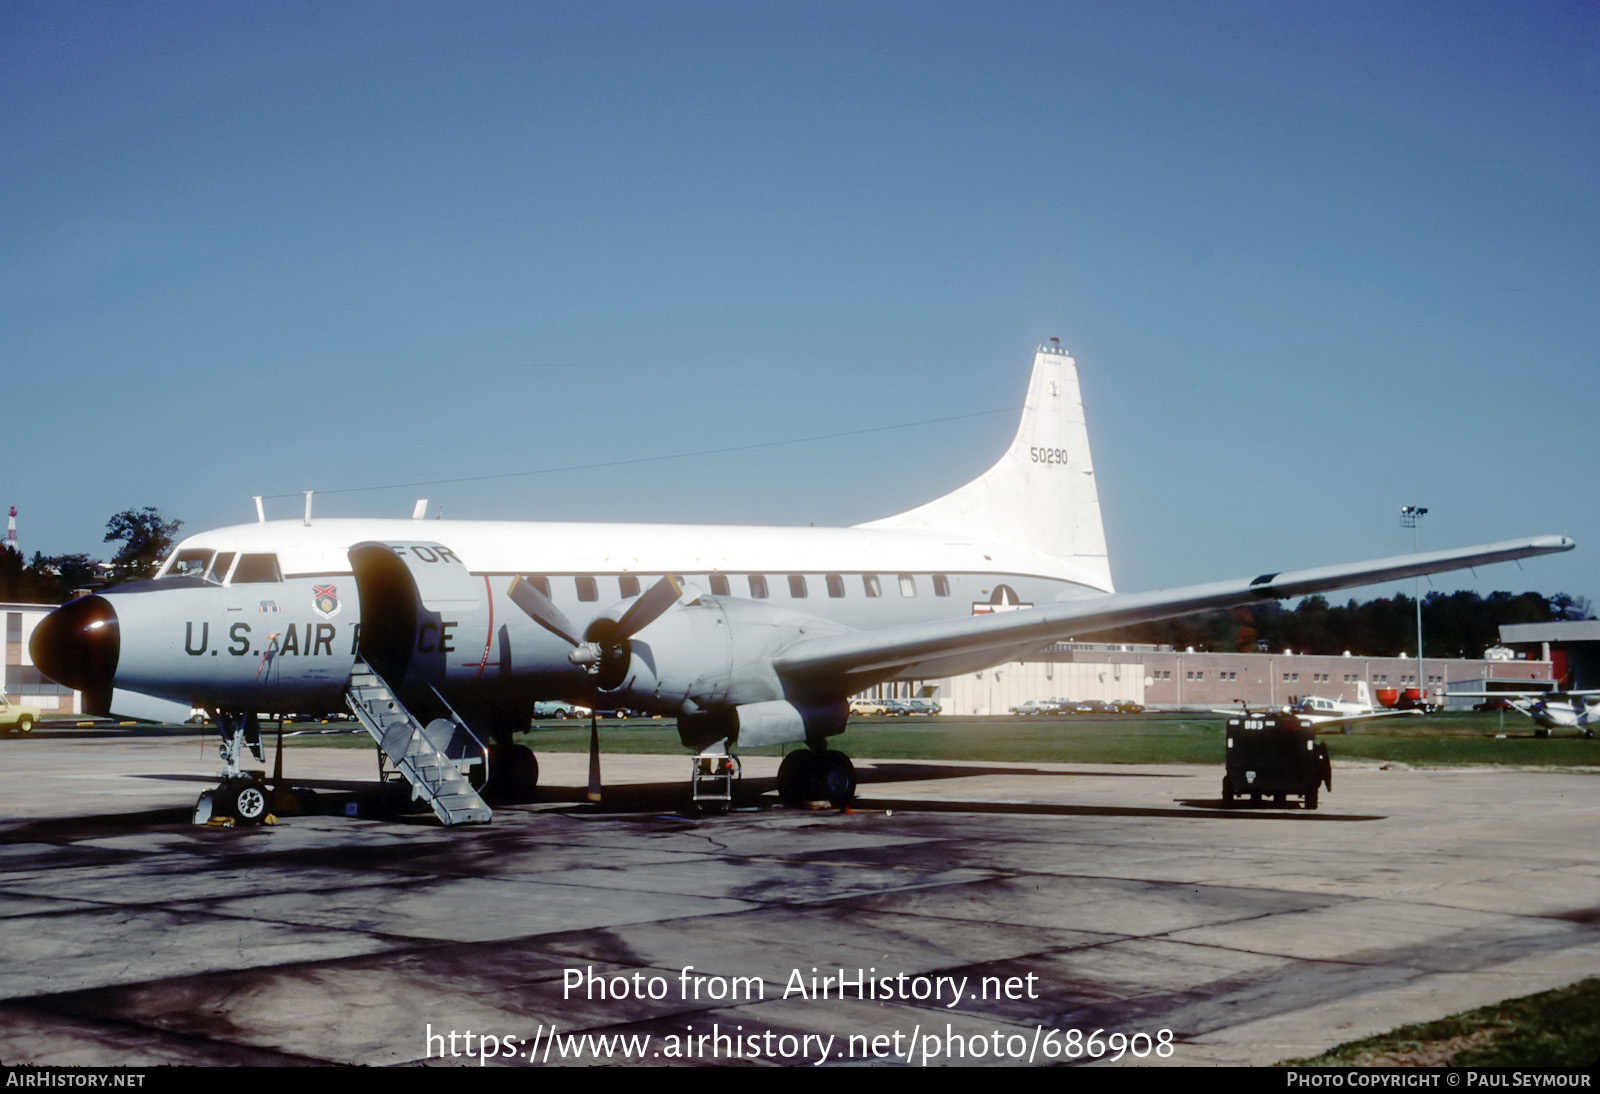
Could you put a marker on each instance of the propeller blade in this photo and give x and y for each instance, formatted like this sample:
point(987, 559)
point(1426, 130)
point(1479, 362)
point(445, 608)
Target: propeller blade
point(539, 608)
point(648, 608)
point(594, 757)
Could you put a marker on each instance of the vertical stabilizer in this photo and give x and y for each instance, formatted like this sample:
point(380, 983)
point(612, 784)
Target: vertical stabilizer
point(1041, 495)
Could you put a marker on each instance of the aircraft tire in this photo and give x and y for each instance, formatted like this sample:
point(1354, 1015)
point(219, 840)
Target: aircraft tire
point(522, 773)
point(794, 777)
point(205, 807)
point(246, 802)
point(835, 778)
point(513, 774)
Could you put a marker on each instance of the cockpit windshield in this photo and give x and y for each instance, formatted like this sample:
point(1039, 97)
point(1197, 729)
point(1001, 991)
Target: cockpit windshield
point(219, 569)
point(201, 562)
point(191, 562)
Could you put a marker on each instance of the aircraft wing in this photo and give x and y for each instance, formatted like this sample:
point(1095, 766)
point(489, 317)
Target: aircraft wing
point(1350, 719)
point(1523, 694)
point(1319, 719)
point(946, 647)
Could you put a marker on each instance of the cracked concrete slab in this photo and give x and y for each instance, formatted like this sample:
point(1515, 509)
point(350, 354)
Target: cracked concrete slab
point(1064, 897)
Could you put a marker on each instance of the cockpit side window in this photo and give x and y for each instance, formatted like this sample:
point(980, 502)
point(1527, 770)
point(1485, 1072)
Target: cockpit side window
point(257, 570)
point(191, 562)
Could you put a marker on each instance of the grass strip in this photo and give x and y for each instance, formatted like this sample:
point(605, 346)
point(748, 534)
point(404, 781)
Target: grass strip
point(1558, 1028)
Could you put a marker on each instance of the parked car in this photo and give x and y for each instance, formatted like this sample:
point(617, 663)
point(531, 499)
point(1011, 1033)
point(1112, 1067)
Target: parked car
point(554, 709)
point(922, 706)
point(1034, 706)
point(1127, 706)
point(868, 706)
point(17, 716)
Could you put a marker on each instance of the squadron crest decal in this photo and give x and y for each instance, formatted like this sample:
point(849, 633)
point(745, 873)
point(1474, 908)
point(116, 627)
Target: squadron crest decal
point(325, 600)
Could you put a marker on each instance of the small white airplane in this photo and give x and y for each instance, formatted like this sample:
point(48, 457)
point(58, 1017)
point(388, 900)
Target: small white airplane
point(434, 632)
point(1550, 710)
point(1317, 711)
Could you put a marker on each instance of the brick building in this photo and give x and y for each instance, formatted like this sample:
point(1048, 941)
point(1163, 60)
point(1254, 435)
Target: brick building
point(23, 682)
point(1163, 678)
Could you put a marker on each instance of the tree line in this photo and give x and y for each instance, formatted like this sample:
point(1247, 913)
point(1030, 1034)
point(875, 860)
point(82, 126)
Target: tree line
point(145, 537)
point(1458, 624)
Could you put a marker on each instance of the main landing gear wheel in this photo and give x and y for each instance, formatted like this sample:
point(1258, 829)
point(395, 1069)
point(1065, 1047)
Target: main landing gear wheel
point(513, 773)
point(793, 776)
point(807, 775)
point(836, 779)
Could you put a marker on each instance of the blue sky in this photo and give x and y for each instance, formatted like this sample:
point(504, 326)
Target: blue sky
point(1316, 261)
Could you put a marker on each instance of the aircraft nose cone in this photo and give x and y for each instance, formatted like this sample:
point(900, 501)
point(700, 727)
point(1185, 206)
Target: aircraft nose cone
point(78, 645)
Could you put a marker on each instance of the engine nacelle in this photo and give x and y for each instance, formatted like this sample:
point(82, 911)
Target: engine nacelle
point(710, 661)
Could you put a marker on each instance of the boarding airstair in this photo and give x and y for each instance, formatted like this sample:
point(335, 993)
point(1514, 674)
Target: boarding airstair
point(434, 757)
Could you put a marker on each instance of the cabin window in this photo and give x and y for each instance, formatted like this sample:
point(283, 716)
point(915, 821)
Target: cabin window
point(628, 585)
point(870, 583)
point(941, 585)
point(797, 586)
point(219, 568)
point(908, 585)
point(835, 586)
point(758, 587)
point(190, 563)
point(719, 585)
point(257, 570)
point(540, 582)
point(588, 588)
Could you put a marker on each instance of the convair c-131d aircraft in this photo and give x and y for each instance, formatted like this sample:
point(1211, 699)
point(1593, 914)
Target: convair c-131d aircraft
point(439, 635)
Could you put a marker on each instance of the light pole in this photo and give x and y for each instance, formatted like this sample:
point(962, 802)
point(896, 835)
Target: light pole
point(1409, 515)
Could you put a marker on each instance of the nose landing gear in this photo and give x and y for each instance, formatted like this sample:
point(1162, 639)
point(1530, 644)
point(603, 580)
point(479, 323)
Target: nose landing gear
point(242, 797)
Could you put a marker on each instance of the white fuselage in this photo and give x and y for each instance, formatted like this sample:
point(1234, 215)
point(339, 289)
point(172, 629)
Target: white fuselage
point(284, 636)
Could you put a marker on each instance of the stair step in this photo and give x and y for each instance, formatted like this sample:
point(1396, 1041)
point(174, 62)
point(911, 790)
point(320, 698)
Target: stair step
point(433, 775)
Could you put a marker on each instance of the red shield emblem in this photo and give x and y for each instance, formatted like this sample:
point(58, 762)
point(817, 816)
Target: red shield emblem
point(325, 600)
